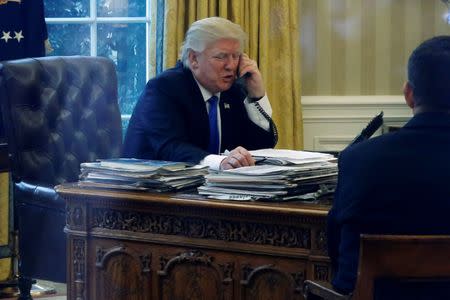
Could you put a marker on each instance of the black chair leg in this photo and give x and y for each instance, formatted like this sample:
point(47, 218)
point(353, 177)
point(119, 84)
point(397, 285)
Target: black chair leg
point(25, 284)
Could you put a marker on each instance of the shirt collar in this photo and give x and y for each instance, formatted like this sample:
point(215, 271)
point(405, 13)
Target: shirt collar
point(205, 93)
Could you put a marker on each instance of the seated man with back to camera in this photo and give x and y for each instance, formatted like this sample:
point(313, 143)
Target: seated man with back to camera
point(176, 119)
point(398, 183)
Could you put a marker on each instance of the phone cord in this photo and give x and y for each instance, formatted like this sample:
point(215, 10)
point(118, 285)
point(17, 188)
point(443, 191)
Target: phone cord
point(272, 125)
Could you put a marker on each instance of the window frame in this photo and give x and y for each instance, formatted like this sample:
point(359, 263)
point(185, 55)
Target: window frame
point(93, 21)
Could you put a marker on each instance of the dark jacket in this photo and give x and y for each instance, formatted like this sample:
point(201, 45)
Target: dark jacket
point(397, 183)
point(170, 121)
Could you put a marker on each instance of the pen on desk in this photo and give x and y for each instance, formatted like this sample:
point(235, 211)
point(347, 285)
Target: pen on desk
point(259, 160)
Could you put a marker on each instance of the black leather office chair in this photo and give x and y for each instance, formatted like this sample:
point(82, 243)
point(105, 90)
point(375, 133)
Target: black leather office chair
point(57, 112)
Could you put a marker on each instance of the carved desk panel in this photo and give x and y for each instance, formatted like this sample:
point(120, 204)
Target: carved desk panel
point(127, 245)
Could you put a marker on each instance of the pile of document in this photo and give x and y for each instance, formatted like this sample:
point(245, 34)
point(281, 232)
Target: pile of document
point(141, 175)
point(279, 175)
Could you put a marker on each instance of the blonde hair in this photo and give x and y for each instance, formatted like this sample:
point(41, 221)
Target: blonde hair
point(204, 32)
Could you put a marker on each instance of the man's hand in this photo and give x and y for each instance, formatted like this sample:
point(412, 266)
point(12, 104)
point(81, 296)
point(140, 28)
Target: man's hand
point(238, 157)
point(253, 79)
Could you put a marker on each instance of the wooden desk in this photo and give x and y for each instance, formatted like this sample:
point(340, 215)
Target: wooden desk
point(126, 245)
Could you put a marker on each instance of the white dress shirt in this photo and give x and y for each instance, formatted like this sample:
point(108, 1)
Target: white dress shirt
point(214, 160)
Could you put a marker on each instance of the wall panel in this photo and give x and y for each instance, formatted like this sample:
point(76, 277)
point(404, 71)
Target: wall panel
point(339, 47)
point(382, 49)
point(324, 47)
point(353, 46)
point(308, 40)
point(360, 47)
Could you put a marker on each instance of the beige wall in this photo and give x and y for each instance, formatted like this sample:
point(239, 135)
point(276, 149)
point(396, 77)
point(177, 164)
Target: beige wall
point(360, 47)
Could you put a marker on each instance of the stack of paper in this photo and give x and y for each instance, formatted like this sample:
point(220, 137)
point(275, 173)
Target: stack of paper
point(138, 174)
point(290, 175)
point(289, 157)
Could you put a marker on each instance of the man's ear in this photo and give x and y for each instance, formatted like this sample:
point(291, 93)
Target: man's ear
point(408, 92)
point(192, 56)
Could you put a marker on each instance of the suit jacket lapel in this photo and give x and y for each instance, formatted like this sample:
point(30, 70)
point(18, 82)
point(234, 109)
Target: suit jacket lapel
point(197, 106)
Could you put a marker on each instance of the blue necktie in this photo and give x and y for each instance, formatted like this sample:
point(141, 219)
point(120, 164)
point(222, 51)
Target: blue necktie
point(213, 146)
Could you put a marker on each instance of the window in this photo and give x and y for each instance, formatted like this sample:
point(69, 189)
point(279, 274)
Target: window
point(117, 29)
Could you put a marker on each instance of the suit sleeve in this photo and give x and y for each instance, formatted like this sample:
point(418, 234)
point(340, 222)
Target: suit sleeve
point(342, 228)
point(157, 130)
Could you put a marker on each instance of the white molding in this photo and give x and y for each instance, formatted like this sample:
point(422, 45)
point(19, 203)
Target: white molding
point(351, 119)
point(331, 122)
point(331, 143)
point(353, 108)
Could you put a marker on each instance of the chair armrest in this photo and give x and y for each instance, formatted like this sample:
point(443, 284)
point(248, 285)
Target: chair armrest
point(39, 196)
point(313, 290)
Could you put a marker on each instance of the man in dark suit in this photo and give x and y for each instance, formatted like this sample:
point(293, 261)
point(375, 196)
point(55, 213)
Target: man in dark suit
point(397, 183)
point(197, 110)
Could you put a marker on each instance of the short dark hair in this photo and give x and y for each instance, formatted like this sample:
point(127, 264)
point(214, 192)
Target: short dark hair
point(429, 73)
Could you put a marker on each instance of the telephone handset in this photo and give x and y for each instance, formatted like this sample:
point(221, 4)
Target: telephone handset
point(240, 81)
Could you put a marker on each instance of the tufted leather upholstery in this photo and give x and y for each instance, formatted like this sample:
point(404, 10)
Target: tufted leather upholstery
point(58, 112)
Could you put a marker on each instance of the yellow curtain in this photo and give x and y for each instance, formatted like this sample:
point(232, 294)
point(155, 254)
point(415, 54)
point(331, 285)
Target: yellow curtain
point(274, 42)
point(5, 264)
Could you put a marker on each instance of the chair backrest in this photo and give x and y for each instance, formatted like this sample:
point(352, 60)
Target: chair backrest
point(59, 112)
point(401, 257)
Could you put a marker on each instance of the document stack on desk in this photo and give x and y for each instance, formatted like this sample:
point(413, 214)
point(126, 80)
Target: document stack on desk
point(286, 157)
point(141, 175)
point(279, 175)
